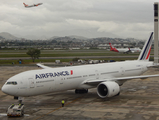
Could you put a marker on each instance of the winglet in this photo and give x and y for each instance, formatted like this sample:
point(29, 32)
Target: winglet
point(145, 53)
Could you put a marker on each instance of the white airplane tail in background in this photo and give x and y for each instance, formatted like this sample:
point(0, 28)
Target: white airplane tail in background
point(145, 53)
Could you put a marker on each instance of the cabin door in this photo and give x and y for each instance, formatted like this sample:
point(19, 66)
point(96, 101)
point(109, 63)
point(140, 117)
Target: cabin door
point(31, 83)
point(97, 74)
point(122, 71)
point(143, 69)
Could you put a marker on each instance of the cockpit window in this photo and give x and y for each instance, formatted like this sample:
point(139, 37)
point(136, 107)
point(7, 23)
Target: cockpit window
point(11, 83)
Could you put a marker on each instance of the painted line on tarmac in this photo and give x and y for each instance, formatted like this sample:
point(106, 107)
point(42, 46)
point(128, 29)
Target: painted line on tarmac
point(59, 108)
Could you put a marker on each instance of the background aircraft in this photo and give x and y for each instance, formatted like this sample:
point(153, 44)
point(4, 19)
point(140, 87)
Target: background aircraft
point(124, 50)
point(133, 50)
point(34, 5)
point(107, 77)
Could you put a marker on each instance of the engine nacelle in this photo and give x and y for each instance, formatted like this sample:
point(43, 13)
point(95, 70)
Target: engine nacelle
point(108, 89)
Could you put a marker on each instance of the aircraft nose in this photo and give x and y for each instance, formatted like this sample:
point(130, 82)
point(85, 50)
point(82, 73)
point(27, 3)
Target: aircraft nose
point(4, 89)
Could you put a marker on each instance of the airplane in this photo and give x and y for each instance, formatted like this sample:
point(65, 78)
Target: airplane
point(124, 50)
point(106, 77)
point(137, 49)
point(34, 5)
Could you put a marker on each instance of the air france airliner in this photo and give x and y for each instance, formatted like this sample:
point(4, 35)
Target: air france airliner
point(107, 77)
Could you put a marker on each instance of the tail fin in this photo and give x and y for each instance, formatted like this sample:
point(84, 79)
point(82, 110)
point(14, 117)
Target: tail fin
point(145, 53)
point(25, 5)
point(113, 48)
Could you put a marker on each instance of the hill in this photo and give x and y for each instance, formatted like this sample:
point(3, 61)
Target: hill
point(8, 36)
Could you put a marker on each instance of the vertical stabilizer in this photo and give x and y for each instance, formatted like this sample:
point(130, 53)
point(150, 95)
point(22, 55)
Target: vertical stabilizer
point(113, 48)
point(145, 53)
point(25, 5)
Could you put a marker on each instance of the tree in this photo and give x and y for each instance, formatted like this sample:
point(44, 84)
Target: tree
point(33, 53)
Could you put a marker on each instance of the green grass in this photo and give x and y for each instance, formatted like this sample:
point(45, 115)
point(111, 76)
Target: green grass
point(61, 53)
point(66, 53)
point(24, 61)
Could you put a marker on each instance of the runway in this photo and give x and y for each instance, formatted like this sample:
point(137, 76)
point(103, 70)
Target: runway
point(138, 100)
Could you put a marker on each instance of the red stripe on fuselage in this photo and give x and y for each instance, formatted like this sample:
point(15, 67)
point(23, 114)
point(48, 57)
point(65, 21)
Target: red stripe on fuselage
point(71, 72)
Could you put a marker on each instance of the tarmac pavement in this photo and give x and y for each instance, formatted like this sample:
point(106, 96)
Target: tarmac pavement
point(138, 100)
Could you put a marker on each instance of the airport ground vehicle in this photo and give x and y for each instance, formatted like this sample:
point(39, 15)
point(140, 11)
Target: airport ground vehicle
point(16, 110)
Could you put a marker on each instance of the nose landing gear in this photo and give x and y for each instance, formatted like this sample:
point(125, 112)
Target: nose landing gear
point(80, 91)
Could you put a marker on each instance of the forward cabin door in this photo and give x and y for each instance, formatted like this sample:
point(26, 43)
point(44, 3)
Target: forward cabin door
point(60, 83)
point(31, 83)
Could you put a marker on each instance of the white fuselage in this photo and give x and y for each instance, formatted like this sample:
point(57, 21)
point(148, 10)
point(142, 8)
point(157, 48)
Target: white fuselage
point(36, 82)
point(135, 49)
point(123, 50)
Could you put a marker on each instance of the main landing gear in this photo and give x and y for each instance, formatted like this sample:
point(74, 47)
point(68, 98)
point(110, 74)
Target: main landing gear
point(80, 91)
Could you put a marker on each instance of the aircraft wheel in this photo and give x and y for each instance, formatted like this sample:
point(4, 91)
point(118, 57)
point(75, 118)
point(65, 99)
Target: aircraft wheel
point(15, 97)
point(86, 91)
point(78, 91)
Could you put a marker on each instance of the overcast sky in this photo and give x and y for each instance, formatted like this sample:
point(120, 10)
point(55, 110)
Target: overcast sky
point(88, 18)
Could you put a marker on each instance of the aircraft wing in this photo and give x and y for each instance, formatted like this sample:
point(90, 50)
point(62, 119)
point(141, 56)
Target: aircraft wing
point(43, 66)
point(119, 79)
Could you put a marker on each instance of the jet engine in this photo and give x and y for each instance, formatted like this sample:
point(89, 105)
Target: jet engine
point(108, 89)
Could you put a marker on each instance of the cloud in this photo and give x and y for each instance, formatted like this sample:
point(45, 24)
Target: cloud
point(123, 18)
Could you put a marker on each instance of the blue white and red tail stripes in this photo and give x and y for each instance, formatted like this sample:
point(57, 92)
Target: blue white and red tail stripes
point(145, 53)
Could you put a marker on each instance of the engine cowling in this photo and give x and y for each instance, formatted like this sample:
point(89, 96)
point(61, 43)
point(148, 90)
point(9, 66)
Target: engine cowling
point(108, 89)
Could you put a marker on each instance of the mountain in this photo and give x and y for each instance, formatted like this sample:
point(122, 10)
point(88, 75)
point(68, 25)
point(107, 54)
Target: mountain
point(89, 33)
point(78, 37)
point(8, 36)
point(71, 37)
point(35, 37)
